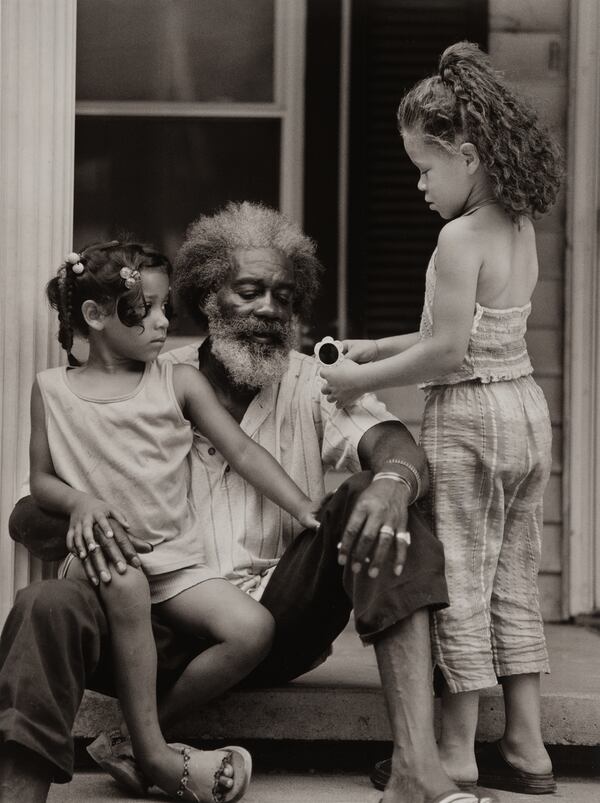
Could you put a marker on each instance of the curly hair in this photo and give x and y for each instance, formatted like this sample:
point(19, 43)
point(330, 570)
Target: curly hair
point(99, 279)
point(206, 258)
point(467, 101)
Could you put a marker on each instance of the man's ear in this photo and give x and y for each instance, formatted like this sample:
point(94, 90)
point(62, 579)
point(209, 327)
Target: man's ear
point(93, 314)
point(471, 156)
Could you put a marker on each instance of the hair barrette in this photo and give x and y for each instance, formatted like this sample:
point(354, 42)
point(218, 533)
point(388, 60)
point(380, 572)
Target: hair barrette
point(74, 259)
point(130, 276)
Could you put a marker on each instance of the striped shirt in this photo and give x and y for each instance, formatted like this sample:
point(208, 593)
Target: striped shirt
point(244, 533)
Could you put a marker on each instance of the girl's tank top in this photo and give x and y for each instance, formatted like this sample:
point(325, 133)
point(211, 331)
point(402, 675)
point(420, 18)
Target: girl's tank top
point(131, 451)
point(496, 350)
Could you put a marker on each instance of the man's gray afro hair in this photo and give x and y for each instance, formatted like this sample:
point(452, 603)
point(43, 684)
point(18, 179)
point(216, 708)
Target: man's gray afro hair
point(205, 258)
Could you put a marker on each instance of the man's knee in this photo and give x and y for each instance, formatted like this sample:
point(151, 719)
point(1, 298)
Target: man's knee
point(53, 605)
point(41, 532)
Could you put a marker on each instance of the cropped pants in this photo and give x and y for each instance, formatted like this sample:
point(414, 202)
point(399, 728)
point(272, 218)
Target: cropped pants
point(489, 449)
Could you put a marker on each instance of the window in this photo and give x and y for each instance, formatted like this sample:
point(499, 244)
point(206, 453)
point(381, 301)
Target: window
point(181, 107)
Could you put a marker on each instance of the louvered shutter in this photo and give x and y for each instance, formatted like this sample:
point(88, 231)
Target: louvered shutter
point(392, 232)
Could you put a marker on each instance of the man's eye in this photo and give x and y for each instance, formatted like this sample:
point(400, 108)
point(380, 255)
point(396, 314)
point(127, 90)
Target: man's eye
point(284, 299)
point(247, 294)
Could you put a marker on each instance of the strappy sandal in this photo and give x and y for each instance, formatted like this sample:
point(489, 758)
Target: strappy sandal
point(241, 763)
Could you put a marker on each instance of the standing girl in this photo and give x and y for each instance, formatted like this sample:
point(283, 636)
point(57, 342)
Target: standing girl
point(111, 439)
point(487, 167)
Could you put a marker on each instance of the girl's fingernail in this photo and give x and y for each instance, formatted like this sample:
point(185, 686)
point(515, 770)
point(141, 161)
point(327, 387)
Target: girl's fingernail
point(82, 554)
point(105, 577)
point(373, 572)
point(121, 567)
point(136, 562)
point(398, 570)
point(356, 567)
point(95, 581)
point(110, 534)
point(342, 560)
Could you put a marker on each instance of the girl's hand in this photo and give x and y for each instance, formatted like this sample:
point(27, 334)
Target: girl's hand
point(342, 383)
point(89, 512)
point(308, 515)
point(360, 350)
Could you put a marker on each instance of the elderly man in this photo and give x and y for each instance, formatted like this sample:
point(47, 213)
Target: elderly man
point(252, 276)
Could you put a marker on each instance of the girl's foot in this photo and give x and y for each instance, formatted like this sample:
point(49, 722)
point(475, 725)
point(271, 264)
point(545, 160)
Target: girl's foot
point(530, 756)
point(211, 776)
point(460, 765)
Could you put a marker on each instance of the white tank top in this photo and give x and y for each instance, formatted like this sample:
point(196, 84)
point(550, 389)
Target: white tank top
point(132, 451)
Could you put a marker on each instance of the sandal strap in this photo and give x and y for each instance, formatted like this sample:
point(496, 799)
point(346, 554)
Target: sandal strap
point(217, 792)
point(185, 777)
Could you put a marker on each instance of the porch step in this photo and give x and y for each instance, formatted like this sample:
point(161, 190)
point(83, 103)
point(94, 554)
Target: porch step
point(342, 701)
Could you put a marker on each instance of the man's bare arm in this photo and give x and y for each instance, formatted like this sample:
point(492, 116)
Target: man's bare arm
point(378, 525)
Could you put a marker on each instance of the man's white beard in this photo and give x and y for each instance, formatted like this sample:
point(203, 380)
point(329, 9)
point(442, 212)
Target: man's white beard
point(248, 363)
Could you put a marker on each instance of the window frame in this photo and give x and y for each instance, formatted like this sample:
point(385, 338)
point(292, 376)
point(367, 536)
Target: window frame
point(287, 106)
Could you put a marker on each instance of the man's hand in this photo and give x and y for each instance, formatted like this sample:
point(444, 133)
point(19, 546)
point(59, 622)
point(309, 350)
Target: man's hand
point(376, 531)
point(114, 551)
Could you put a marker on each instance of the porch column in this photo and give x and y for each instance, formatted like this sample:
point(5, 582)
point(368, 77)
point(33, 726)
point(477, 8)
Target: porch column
point(37, 114)
point(582, 326)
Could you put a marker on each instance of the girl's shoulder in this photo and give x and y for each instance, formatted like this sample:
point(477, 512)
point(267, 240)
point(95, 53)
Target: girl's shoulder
point(51, 377)
point(460, 243)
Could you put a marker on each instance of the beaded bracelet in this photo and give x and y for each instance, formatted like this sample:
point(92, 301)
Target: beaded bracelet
point(392, 475)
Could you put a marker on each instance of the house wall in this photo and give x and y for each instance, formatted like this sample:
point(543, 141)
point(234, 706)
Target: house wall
point(528, 40)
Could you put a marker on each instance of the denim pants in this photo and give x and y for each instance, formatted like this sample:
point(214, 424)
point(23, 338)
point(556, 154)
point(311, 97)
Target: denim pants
point(489, 449)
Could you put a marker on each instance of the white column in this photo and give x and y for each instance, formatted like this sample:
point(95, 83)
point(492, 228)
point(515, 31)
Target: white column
point(37, 114)
point(582, 352)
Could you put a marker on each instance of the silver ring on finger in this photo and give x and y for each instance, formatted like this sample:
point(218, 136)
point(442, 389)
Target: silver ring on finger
point(387, 530)
point(402, 537)
point(92, 546)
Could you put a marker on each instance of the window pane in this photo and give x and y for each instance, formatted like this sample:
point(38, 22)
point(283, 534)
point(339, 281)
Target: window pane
point(151, 177)
point(181, 50)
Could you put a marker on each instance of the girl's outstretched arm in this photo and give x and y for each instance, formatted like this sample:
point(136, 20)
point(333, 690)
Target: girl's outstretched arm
point(202, 408)
point(51, 493)
point(370, 350)
point(458, 261)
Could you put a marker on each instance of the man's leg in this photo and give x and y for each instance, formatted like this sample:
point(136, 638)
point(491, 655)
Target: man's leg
point(23, 775)
point(404, 658)
point(311, 596)
point(51, 643)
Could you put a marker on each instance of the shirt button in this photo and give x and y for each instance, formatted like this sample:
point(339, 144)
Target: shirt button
point(227, 469)
point(211, 450)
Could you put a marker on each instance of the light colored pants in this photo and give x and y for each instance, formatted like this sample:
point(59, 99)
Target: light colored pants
point(489, 449)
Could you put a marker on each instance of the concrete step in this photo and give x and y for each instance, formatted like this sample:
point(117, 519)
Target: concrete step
point(342, 701)
point(94, 787)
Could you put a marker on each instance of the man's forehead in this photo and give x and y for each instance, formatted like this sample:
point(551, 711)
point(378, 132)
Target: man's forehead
point(262, 264)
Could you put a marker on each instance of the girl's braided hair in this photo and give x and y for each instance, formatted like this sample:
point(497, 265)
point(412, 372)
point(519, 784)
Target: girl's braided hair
point(467, 101)
point(97, 277)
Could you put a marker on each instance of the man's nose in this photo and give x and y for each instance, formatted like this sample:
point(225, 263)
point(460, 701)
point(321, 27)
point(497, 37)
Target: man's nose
point(267, 306)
